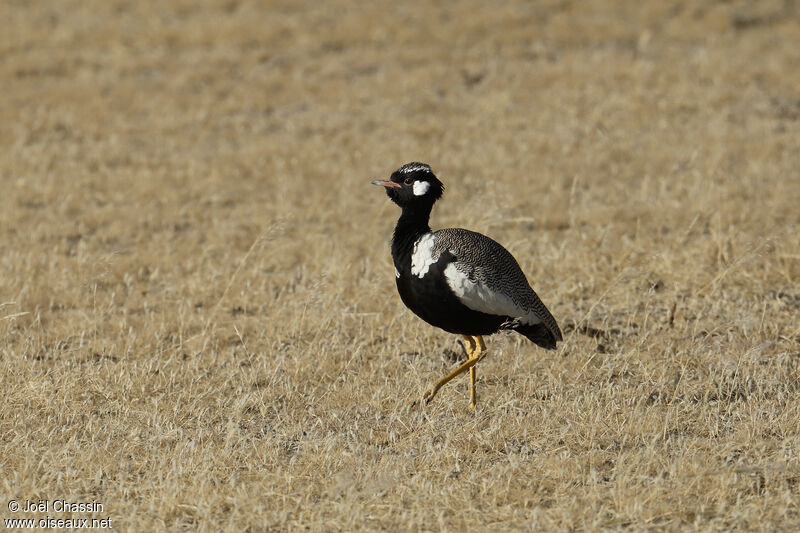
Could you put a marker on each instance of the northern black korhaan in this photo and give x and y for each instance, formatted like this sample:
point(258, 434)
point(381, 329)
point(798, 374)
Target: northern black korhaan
point(458, 280)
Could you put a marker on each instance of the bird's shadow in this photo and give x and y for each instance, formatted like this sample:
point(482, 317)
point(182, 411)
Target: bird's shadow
point(454, 355)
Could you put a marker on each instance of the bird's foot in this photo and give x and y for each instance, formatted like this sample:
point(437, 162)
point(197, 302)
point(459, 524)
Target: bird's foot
point(428, 395)
point(426, 398)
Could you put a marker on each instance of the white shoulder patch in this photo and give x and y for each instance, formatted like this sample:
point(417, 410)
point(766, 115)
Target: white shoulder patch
point(396, 273)
point(422, 255)
point(478, 297)
point(421, 187)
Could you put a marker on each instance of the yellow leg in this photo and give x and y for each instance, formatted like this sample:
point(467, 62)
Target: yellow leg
point(472, 346)
point(473, 376)
point(471, 341)
point(477, 353)
point(475, 345)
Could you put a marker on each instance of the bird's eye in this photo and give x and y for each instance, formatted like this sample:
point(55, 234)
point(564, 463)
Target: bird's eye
point(408, 181)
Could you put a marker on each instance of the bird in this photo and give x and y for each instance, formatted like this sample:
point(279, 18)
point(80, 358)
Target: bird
point(458, 280)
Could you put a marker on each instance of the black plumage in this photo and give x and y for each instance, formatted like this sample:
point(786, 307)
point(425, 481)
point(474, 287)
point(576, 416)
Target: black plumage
point(456, 279)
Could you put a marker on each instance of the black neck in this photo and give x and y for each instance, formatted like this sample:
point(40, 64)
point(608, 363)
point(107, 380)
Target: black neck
point(412, 224)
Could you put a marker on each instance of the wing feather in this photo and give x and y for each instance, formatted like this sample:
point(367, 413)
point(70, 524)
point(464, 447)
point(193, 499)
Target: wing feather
point(487, 278)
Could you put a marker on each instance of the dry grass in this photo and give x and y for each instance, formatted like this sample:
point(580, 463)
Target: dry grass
point(198, 321)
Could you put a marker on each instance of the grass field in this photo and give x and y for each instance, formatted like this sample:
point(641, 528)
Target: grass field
point(199, 326)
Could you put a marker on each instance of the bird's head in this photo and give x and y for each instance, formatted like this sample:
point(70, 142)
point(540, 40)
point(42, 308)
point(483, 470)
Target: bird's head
point(413, 185)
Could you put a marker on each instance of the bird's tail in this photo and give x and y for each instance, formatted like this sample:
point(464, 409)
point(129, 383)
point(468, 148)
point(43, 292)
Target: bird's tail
point(539, 334)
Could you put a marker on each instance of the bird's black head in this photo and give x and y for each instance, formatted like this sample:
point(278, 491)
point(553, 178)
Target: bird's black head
point(413, 184)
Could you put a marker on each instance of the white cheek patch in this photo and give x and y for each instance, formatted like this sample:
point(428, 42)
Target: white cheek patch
point(421, 187)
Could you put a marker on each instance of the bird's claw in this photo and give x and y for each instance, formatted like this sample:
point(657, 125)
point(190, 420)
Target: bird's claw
point(428, 395)
point(425, 400)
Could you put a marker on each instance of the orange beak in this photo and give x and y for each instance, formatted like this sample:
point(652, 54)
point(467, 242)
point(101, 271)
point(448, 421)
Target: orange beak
point(386, 183)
